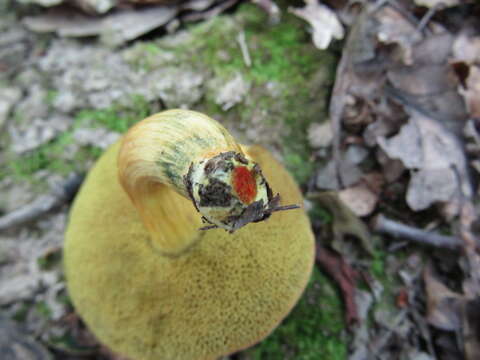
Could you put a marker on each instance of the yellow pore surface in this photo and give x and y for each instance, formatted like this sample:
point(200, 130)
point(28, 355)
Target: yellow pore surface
point(226, 293)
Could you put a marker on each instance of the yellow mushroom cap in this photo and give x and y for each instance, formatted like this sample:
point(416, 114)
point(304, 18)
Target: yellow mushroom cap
point(226, 293)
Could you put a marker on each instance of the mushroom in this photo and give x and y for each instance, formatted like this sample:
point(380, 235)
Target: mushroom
point(142, 270)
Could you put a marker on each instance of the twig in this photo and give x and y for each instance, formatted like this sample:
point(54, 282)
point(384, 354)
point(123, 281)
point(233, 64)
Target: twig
point(344, 276)
point(427, 17)
point(43, 204)
point(244, 48)
point(399, 230)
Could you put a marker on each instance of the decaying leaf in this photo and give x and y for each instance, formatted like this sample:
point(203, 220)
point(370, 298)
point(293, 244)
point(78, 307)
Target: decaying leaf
point(435, 157)
point(324, 22)
point(471, 93)
point(359, 198)
point(405, 146)
point(114, 29)
point(345, 222)
point(471, 328)
point(443, 305)
point(393, 27)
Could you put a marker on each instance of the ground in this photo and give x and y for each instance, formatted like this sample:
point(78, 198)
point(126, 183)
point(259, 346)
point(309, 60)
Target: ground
point(281, 93)
point(381, 132)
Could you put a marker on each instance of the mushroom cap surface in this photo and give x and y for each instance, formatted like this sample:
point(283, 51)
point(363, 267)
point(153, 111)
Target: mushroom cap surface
point(226, 293)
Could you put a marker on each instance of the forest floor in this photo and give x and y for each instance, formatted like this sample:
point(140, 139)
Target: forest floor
point(372, 109)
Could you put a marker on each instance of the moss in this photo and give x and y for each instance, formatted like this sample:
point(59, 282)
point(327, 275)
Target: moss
point(49, 260)
point(320, 215)
point(313, 331)
point(21, 314)
point(50, 156)
point(51, 96)
point(43, 310)
point(117, 118)
point(290, 78)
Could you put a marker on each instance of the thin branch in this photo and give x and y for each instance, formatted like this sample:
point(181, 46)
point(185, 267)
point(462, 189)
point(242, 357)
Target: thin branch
point(244, 48)
point(399, 230)
point(345, 277)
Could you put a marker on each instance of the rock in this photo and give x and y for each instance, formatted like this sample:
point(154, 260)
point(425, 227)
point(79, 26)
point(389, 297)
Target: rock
point(232, 92)
point(14, 195)
point(34, 105)
point(99, 137)
point(8, 97)
point(177, 87)
point(320, 135)
point(147, 55)
point(65, 101)
point(18, 287)
point(94, 77)
point(21, 278)
point(30, 135)
point(14, 46)
point(16, 345)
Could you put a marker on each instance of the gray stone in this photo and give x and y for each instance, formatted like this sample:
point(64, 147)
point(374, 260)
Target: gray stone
point(232, 92)
point(8, 97)
point(31, 134)
point(99, 137)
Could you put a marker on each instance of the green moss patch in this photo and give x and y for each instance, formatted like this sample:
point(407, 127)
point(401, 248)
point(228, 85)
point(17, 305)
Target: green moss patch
point(51, 156)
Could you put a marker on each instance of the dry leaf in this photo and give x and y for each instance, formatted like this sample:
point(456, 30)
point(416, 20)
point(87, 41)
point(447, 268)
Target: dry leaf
point(437, 3)
point(345, 222)
point(472, 91)
point(114, 29)
point(324, 22)
point(466, 49)
point(405, 146)
point(360, 199)
point(430, 185)
point(393, 27)
point(425, 146)
point(471, 328)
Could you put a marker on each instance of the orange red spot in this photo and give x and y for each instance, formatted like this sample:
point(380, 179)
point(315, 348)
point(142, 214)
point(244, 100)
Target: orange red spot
point(244, 184)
